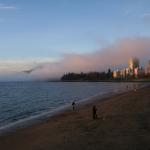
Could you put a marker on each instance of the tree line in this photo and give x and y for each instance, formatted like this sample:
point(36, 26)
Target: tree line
point(90, 76)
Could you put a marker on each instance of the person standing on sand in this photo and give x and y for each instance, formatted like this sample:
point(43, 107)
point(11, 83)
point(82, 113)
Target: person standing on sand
point(94, 112)
point(73, 105)
point(127, 87)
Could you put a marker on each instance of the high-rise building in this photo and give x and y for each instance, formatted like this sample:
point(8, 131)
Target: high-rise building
point(132, 71)
point(133, 63)
point(116, 74)
point(139, 72)
point(147, 71)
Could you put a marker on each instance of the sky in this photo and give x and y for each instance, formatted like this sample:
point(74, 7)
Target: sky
point(51, 35)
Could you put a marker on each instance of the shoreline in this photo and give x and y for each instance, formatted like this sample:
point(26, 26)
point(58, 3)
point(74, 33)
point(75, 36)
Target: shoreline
point(45, 116)
point(126, 81)
point(123, 122)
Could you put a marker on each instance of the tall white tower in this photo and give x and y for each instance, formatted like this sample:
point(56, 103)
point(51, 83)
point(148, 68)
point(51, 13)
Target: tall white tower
point(133, 63)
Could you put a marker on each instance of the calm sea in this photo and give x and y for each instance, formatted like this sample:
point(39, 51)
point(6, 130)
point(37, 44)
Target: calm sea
point(22, 100)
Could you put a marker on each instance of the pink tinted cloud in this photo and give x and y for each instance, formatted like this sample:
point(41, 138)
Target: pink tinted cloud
point(108, 57)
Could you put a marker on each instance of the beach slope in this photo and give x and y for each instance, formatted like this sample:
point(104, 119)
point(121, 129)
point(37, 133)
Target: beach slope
point(123, 123)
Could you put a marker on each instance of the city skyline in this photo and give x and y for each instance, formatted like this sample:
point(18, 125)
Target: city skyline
point(134, 70)
point(65, 35)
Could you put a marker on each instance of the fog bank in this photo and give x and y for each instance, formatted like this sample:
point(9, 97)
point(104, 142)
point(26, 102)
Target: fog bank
point(112, 56)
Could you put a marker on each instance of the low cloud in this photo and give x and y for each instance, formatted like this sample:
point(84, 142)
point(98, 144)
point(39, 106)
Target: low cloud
point(18, 69)
point(7, 7)
point(112, 56)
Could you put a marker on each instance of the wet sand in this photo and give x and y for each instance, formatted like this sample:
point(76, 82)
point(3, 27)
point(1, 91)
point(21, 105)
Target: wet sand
point(123, 123)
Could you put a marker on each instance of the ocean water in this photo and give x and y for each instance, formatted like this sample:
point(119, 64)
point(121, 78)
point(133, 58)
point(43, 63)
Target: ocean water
point(22, 100)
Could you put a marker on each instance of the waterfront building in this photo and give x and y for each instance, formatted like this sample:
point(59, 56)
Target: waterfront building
point(139, 72)
point(127, 72)
point(133, 63)
point(123, 73)
point(116, 74)
point(147, 69)
point(132, 71)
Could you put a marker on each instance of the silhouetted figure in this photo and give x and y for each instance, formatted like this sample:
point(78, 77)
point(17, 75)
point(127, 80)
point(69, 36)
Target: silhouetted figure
point(73, 105)
point(135, 88)
point(94, 112)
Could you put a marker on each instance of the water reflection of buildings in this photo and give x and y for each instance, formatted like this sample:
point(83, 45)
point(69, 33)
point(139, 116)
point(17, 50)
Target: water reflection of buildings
point(133, 70)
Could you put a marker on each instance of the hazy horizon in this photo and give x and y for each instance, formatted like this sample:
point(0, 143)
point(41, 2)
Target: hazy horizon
point(45, 39)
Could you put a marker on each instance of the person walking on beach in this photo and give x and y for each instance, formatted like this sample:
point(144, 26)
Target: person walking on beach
point(127, 87)
point(73, 105)
point(94, 112)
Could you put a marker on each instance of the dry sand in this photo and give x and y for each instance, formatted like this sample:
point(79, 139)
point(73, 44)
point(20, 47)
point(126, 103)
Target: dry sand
point(123, 124)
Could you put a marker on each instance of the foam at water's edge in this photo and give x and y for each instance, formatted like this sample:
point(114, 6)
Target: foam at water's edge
point(32, 120)
point(45, 115)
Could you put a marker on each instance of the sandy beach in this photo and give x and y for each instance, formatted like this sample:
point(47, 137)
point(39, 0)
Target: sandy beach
point(123, 123)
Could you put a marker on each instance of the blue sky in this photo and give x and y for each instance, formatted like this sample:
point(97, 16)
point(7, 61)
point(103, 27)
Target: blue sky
point(42, 29)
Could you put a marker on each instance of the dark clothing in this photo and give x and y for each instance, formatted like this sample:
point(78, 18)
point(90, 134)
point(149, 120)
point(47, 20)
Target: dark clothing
point(73, 105)
point(94, 112)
